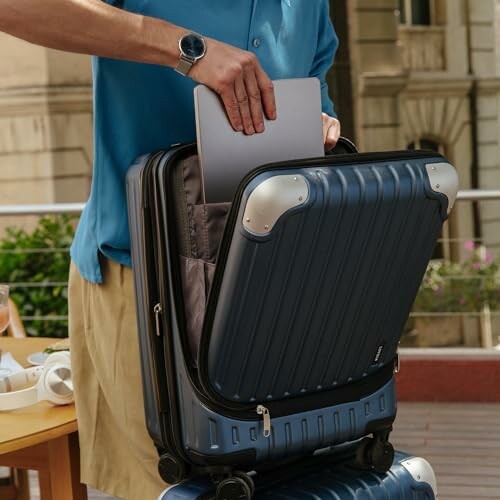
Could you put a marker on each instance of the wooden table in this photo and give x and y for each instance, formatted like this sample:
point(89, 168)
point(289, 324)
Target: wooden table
point(42, 437)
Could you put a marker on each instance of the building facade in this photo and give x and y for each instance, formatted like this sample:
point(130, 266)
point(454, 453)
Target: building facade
point(426, 74)
point(409, 73)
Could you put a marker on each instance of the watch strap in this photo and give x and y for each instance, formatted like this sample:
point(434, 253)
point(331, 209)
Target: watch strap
point(185, 64)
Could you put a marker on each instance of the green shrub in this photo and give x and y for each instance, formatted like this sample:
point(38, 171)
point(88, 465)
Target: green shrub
point(37, 257)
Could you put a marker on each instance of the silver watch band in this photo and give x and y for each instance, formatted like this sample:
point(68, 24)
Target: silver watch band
point(185, 64)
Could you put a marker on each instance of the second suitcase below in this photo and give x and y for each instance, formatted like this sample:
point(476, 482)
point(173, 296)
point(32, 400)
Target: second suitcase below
point(410, 478)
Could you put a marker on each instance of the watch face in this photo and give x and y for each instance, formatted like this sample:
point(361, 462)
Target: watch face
point(193, 45)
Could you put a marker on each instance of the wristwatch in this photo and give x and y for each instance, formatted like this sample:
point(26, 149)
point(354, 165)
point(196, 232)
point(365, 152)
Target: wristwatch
point(192, 47)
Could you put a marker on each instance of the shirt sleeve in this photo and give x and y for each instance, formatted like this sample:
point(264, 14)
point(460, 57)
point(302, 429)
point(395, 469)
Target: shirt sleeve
point(328, 43)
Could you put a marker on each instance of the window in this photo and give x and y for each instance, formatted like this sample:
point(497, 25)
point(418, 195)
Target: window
point(416, 12)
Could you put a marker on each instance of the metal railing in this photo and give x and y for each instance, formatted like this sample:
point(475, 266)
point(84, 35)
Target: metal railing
point(47, 209)
point(478, 195)
point(482, 321)
point(76, 208)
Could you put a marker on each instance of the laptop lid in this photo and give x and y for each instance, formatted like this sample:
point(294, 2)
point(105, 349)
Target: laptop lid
point(226, 156)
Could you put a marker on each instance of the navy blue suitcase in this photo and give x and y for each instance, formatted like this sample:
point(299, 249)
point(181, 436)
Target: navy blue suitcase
point(409, 478)
point(269, 326)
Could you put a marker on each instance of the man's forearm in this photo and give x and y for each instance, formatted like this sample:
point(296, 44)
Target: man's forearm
point(92, 27)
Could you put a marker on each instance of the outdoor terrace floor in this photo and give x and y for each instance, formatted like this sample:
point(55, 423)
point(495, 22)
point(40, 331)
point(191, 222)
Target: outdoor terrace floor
point(461, 441)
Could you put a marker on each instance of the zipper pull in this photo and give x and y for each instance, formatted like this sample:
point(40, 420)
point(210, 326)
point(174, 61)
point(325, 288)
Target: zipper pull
point(397, 363)
point(157, 310)
point(262, 410)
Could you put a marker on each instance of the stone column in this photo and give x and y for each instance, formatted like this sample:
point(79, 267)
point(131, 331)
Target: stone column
point(484, 35)
point(377, 74)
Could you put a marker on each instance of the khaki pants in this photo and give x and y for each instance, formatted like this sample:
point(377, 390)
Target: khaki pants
point(117, 454)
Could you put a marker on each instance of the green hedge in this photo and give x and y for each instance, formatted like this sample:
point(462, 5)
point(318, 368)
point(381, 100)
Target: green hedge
point(36, 257)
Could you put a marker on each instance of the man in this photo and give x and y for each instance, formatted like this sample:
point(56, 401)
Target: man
point(140, 105)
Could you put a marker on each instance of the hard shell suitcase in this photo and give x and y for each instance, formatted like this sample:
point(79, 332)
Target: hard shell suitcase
point(269, 326)
point(409, 478)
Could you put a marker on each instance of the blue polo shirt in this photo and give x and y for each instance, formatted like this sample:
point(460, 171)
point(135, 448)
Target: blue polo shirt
point(139, 108)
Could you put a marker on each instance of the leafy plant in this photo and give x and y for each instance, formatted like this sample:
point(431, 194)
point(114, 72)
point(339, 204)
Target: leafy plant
point(35, 263)
point(461, 286)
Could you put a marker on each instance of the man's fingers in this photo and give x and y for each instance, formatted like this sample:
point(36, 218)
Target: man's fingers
point(244, 105)
point(331, 138)
point(232, 108)
point(255, 100)
point(326, 126)
point(331, 131)
point(266, 88)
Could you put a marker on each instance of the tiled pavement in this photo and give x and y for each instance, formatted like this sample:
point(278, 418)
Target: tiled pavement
point(461, 441)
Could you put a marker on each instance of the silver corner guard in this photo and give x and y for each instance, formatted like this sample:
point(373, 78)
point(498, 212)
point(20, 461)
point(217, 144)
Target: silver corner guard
point(271, 199)
point(421, 470)
point(444, 179)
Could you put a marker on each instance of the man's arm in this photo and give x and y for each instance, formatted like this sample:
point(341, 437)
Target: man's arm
point(94, 27)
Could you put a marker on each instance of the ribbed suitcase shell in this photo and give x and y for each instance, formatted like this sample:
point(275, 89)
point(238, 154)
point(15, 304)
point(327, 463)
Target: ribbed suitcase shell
point(344, 266)
point(336, 483)
point(339, 337)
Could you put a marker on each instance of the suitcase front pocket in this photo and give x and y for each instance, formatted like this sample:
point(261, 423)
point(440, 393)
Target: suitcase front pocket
point(308, 307)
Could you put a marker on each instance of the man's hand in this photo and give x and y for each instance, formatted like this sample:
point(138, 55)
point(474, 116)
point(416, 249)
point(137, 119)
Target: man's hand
point(331, 131)
point(245, 89)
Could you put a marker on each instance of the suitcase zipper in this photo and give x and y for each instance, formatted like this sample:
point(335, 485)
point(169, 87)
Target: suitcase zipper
point(397, 362)
point(171, 439)
point(266, 417)
point(149, 227)
point(157, 310)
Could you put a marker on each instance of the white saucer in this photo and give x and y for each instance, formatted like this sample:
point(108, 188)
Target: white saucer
point(37, 358)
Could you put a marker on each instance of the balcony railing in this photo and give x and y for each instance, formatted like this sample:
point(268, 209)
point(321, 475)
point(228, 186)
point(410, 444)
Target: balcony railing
point(482, 324)
point(423, 48)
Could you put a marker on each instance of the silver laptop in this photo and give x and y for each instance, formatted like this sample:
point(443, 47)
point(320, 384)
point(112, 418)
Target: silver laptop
point(227, 156)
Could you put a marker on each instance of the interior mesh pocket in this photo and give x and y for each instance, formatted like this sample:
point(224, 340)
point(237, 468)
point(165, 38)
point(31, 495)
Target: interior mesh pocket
point(206, 226)
point(197, 276)
point(199, 236)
